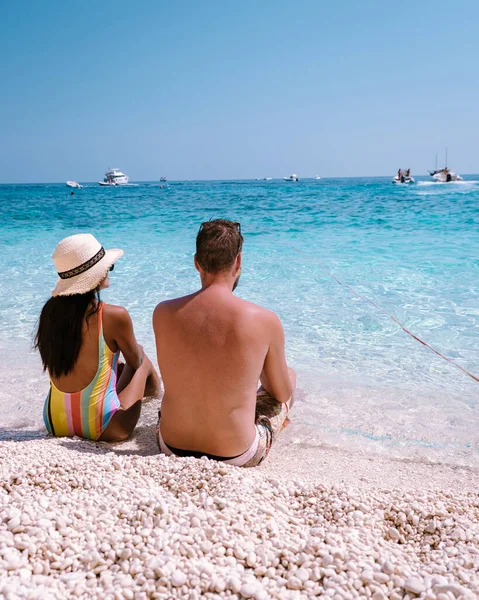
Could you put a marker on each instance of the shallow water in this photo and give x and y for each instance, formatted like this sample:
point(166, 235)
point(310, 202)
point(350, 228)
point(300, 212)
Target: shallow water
point(364, 383)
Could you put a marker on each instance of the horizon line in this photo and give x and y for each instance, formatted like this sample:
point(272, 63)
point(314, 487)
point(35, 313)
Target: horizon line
point(212, 180)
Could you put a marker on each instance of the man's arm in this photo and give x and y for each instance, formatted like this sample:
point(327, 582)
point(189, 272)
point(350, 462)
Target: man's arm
point(276, 378)
point(158, 315)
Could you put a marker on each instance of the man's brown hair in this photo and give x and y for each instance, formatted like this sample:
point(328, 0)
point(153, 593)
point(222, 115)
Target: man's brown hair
point(218, 243)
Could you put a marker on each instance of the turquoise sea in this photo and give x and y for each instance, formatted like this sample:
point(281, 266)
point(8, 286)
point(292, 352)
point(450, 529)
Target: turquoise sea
point(365, 385)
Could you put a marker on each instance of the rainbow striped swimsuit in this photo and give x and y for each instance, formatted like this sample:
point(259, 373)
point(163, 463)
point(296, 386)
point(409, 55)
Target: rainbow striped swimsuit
point(86, 413)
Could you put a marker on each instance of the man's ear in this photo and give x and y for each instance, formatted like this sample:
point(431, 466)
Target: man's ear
point(197, 264)
point(239, 259)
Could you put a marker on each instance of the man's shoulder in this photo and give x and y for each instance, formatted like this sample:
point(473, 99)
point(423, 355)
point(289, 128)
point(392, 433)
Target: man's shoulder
point(167, 306)
point(256, 311)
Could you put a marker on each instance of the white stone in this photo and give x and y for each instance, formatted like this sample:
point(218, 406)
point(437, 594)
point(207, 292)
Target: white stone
point(248, 590)
point(414, 585)
point(302, 574)
point(453, 588)
point(178, 578)
point(234, 584)
point(293, 583)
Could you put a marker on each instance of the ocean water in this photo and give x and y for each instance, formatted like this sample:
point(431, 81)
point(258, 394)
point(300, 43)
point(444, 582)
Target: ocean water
point(364, 384)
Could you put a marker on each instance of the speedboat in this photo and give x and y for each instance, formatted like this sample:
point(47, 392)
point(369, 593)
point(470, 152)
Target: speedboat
point(114, 177)
point(318, 177)
point(74, 184)
point(402, 179)
point(163, 178)
point(292, 177)
point(267, 178)
point(445, 176)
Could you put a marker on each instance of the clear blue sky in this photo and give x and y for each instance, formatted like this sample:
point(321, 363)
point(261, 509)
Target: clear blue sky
point(222, 89)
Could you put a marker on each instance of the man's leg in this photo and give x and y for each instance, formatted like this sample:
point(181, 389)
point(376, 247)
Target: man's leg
point(268, 408)
point(271, 418)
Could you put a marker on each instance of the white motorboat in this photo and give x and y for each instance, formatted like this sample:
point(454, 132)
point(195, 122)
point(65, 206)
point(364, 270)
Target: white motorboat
point(318, 177)
point(114, 177)
point(267, 178)
point(292, 177)
point(74, 184)
point(446, 176)
point(402, 179)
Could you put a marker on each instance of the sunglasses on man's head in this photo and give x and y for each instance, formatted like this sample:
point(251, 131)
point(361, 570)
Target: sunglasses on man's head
point(111, 268)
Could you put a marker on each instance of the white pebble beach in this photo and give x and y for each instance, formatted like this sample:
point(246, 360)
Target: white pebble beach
point(100, 521)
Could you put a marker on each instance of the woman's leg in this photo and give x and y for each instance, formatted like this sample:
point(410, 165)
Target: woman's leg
point(131, 388)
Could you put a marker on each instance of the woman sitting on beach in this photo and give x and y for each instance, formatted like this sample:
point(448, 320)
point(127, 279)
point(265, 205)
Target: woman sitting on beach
point(80, 339)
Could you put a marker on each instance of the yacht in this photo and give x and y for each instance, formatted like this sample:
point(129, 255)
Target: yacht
point(317, 177)
point(292, 177)
point(267, 178)
point(114, 177)
point(444, 175)
point(163, 178)
point(74, 184)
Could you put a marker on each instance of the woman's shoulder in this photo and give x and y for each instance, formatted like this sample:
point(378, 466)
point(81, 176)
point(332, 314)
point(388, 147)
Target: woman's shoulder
point(115, 312)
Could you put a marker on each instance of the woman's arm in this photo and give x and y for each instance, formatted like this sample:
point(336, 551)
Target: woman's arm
point(118, 327)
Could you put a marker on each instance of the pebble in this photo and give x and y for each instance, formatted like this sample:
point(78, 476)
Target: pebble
point(248, 590)
point(302, 574)
point(96, 525)
point(414, 585)
point(294, 583)
point(178, 578)
point(453, 588)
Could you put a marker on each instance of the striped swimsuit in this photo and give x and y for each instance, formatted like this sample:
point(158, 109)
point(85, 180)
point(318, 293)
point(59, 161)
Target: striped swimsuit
point(86, 413)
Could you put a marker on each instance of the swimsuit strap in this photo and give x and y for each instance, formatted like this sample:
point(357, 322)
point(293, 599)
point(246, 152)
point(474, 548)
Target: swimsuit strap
point(101, 339)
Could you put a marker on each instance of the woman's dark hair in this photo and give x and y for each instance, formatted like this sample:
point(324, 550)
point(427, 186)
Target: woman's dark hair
point(59, 335)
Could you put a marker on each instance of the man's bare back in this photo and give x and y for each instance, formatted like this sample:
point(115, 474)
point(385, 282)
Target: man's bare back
point(212, 350)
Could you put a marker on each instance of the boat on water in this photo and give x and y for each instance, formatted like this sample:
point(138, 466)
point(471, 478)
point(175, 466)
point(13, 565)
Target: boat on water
point(163, 178)
point(402, 180)
point(267, 178)
point(114, 177)
point(292, 177)
point(403, 177)
point(318, 177)
point(444, 175)
point(74, 184)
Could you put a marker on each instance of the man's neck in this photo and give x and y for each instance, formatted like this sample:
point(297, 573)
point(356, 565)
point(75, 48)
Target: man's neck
point(218, 281)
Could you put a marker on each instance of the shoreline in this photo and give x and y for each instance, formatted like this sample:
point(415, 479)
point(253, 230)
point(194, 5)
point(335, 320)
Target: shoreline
point(95, 520)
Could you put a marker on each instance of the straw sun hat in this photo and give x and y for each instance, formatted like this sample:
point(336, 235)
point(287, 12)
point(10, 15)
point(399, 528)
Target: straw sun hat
point(81, 263)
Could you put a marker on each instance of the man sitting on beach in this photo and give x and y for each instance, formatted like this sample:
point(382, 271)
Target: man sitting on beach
point(212, 350)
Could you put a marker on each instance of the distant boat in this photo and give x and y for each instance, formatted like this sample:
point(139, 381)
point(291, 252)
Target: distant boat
point(403, 177)
point(267, 178)
point(292, 177)
point(74, 184)
point(163, 178)
point(114, 177)
point(317, 177)
point(444, 175)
